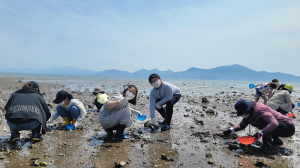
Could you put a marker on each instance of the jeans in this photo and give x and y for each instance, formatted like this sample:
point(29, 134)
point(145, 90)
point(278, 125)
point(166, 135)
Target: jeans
point(168, 112)
point(19, 127)
point(73, 113)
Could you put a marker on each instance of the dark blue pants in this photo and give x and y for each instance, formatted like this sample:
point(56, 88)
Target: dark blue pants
point(283, 111)
point(168, 112)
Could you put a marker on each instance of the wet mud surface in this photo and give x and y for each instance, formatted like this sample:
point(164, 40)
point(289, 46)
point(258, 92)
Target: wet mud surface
point(194, 140)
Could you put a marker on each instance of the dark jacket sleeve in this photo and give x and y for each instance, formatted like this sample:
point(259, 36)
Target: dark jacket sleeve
point(241, 125)
point(46, 109)
point(9, 102)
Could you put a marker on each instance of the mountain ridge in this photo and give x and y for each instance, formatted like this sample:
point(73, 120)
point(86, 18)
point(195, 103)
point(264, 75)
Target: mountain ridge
point(228, 72)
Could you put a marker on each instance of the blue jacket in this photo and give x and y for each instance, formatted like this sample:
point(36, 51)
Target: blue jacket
point(165, 92)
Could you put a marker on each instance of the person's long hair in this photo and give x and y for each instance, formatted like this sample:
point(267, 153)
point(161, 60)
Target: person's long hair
point(127, 87)
point(28, 85)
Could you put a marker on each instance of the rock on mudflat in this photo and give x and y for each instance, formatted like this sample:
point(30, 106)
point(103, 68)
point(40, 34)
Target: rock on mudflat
point(204, 100)
point(208, 155)
point(210, 111)
point(120, 164)
point(166, 158)
point(260, 163)
point(198, 122)
point(147, 124)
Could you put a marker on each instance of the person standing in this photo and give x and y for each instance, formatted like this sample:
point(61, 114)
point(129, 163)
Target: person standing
point(163, 93)
point(264, 89)
point(26, 109)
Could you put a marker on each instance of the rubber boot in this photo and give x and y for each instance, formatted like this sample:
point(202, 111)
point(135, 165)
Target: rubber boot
point(74, 121)
point(110, 133)
point(276, 141)
point(67, 121)
point(15, 135)
point(267, 141)
point(120, 132)
point(36, 134)
point(168, 122)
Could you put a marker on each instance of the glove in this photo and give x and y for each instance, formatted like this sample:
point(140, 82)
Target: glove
point(158, 106)
point(256, 136)
point(123, 101)
point(50, 120)
point(136, 112)
point(227, 132)
point(153, 121)
point(77, 125)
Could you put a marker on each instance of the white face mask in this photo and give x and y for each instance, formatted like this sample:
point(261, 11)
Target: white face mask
point(245, 115)
point(156, 84)
point(61, 103)
point(129, 95)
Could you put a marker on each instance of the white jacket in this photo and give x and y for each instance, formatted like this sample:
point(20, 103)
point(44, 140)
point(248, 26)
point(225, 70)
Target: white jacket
point(77, 103)
point(282, 99)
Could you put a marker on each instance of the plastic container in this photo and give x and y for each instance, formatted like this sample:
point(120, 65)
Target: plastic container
point(290, 114)
point(141, 117)
point(70, 127)
point(246, 140)
point(251, 86)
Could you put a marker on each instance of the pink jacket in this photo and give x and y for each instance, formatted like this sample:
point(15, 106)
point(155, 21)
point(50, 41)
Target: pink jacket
point(270, 119)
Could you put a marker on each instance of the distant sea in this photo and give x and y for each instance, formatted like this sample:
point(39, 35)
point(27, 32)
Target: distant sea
point(115, 84)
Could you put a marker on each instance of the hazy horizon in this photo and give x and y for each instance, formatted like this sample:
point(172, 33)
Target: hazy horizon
point(165, 35)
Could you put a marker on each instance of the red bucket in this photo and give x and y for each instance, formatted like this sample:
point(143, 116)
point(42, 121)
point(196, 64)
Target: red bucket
point(246, 140)
point(290, 114)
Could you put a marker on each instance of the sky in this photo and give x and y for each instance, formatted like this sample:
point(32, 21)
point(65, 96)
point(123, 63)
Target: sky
point(166, 35)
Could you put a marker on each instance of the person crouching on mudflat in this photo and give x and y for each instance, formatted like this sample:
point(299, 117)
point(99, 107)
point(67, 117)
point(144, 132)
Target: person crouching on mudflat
point(162, 93)
point(281, 100)
point(116, 113)
point(26, 109)
point(100, 97)
point(70, 109)
point(271, 123)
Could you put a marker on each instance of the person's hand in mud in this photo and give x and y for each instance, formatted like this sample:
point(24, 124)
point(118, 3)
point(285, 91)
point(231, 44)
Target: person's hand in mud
point(226, 132)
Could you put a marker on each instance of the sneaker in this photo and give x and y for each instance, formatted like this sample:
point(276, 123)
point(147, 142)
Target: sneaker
point(37, 137)
point(122, 136)
point(162, 122)
point(165, 127)
point(14, 137)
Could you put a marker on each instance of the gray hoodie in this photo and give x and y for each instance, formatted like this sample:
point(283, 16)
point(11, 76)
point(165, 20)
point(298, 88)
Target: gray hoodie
point(165, 92)
point(118, 115)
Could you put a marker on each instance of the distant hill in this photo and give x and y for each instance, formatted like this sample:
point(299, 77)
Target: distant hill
point(50, 71)
point(231, 72)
